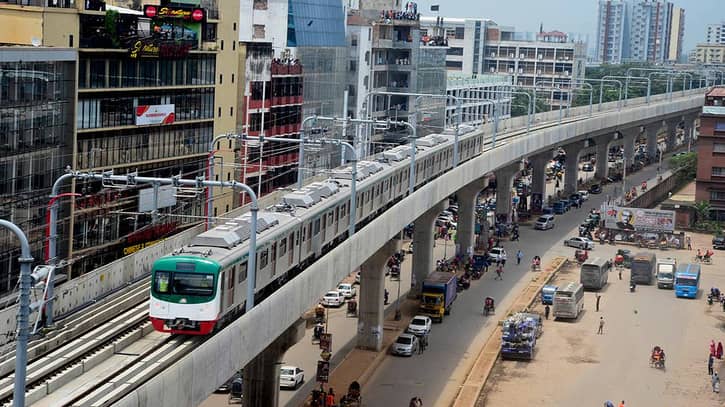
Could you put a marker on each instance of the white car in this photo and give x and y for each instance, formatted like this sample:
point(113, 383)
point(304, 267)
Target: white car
point(405, 345)
point(579, 243)
point(291, 377)
point(419, 325)
point(347, 290)
point(333, 298)
point(584, 195)
point(497, 254)
point(357, 277)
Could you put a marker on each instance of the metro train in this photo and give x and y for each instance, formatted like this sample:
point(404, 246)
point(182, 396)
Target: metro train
point(202, 286)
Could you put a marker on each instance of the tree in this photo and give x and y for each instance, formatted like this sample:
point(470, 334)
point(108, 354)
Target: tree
point(520, 103)
point(702, 209)
point(685, 165)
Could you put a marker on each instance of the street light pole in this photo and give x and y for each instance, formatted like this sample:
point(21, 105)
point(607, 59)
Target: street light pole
point(21, 342)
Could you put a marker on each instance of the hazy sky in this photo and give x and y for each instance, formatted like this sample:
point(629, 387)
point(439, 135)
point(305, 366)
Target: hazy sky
point(576, 16)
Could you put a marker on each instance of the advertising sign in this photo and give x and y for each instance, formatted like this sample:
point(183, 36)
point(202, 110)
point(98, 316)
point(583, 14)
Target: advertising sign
point(326, 342)
point(180, 13)
point(154, 114)
point(323, 371)
point(639, 219)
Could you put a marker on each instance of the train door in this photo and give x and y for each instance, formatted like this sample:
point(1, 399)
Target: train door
point(323, 232)
point(292, 246)
point(222, 291)
point(309, 237)
point(337, 221)
point(273, 259)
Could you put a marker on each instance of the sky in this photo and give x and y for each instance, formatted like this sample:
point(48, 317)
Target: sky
point(574, 16)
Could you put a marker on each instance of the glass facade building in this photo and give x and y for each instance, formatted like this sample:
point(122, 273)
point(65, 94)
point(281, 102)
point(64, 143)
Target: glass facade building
point(37, 93)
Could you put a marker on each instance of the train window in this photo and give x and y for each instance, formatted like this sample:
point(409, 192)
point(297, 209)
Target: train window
point(242, 272)
point(343, 210)
point(230, 282)
point(347, 207)
point(282, 247)
point(263, 259)
point(337, 214)
point(161, 282)
point(330, 217)
point(291, 239)
point(309, 231)
point(317, 227)
point(274, 252)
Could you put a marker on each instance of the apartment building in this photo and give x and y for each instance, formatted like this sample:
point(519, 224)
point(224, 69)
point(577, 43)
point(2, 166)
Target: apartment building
point(639, 31)
point(152, 91)
point(465, 38)
point(708, 54)
point(715, 33)
point(710, 182)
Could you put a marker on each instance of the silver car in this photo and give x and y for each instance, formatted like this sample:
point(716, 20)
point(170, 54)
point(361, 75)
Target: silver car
point(405, 345)
point(579, 243)
point(420, 325)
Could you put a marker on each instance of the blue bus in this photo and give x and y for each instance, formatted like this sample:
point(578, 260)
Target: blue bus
point(687, 280)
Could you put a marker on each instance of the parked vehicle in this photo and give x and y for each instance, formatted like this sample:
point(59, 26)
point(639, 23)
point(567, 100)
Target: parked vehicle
point(595, 189)
point(665, 272)
point(594, 273)
point(291, 377)
point(579, 242)
point(547, 210)
point(544, 222)
point(643, 267)
point(333, 298)
point(569, 300)
point(687, 280)
point(519, 334)
point(347, 290)
point(547, 294)
point(438, 294)
point(405, 345)
point(559, 208)
point(587, 168)
point(718, 242)
point(419, 325)
point(497, 254)
point(584, 195)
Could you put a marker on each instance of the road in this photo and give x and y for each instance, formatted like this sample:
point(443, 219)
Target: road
point(592, 368)
point(436, 375)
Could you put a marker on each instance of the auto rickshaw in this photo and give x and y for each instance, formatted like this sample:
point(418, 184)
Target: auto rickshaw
point(581, 256)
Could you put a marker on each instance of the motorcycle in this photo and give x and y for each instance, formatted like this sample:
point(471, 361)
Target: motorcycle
point(632, 286)
point(709, 299)
point(488, 307)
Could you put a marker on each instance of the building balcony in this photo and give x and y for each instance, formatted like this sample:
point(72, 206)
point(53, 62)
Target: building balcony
point(383, 43)
point(403, 44)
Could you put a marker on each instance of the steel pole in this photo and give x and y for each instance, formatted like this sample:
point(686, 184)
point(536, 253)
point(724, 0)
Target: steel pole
point(301, 157)
point(21, 342)
point(459, 112)
point(601, 89)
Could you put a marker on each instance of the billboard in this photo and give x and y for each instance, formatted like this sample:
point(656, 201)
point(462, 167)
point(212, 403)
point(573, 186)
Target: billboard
point(639, 219)
point(154, 114)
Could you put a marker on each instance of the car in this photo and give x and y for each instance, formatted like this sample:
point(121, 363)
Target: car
point(347, 290)
point(595, 189)
point(333, 298)
point(559, 208)
point(497, 254)
point(419, 325)
point(583, 195)
point(579, 242)
point(575, 198)
point(718, 242)
point(567, 204)
point(587, 168)
point(544, 222)
point(405, 345)
point(291, 377)
point(227, 386)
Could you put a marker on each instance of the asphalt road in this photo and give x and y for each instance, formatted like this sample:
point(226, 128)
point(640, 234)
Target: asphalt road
point(453, 345)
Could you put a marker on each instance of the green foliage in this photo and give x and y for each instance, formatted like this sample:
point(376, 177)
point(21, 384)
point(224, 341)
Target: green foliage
point(520, 103)
point(685, 165)
point(702, 209)
point(110, 23)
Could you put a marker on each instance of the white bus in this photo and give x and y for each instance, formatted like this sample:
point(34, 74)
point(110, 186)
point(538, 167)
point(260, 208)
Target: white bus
point(595, 273)
point(569, 300)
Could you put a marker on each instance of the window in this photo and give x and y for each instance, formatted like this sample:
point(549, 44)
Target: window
point(282, 247)
point(718, 148)
point(460, 33)
point(317, 227)
point(161, 283)
point(717, 195)
point(259, 31)
point(456, 65)
point(264, 259)
point(242, 272)
point(718, 171)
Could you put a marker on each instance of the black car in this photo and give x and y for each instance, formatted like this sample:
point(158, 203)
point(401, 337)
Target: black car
point(718, 242)
point(595, 189)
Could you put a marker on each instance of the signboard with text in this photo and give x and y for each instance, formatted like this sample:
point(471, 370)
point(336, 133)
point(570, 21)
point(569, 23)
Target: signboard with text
point(155, 114)
point(639, 219)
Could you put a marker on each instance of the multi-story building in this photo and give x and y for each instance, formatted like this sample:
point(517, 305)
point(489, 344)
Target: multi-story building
point(151, 96)
point(550, 61)
point(610, 31)
point(37, 122)
point(478, 94)
point(639, 31)
point(465, 38)
point(710, 182)
point(715, 33)
point(708, 54)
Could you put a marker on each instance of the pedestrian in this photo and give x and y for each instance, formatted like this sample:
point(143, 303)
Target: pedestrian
point(424, 341)
point(546, 311)
point(601, 326)
point(710, 361)
point(621, 404)
point(499, 273)
point(712, 348)
point(599, 297)
point(420, 346)
point(719, 350)
point(386, 296)
point(519, 256)
point(608, 404)
point(620, 272)
point(486, 263)
point(503, 262)
point(330, 399)
point(416, 402)
point(689, 243)
point(715, 383)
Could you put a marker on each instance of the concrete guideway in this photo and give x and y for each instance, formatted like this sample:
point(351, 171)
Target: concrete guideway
point(205, 369)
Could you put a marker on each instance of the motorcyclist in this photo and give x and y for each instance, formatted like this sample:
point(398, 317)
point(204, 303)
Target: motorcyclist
point(698, 256)
point(488, 303)
point(536, 262)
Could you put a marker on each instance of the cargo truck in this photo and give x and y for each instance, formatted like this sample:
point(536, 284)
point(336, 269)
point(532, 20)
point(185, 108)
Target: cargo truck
point(519, 334)
point(438, 294)
point(666, 272)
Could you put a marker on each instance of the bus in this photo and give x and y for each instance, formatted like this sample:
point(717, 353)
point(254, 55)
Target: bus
point(595, 273)
point(569, 300)
point(643, 266)
point(687, 280)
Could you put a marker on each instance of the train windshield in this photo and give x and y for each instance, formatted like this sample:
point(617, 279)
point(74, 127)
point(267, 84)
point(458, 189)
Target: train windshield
point(180, 283)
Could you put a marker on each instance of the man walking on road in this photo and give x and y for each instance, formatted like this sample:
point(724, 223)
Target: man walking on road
point(601, 326)
point(599, 297)
point(499, 272)
point(715, 383)
point(519, 256)
point(689, 243)
point(710, 361)
point(546, 311)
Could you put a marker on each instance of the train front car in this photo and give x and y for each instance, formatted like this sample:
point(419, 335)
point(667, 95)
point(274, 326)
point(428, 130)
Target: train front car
point(184, 295)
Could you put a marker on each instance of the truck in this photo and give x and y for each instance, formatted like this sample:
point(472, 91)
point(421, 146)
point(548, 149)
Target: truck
point(519, 334)
point(438, 294)
point(665, 272)
point(643, 267)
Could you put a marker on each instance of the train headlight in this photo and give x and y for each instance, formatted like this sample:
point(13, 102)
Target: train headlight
point(182, 301)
